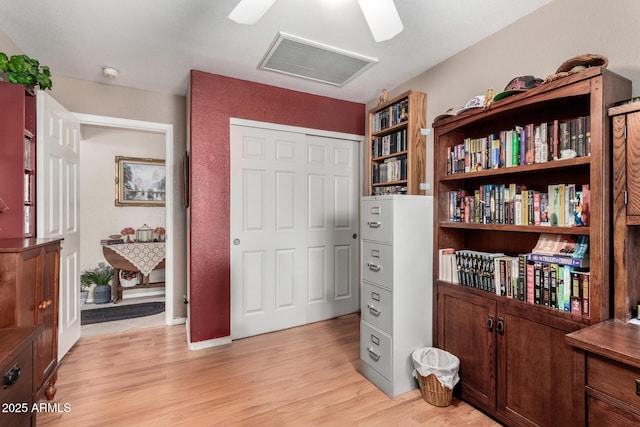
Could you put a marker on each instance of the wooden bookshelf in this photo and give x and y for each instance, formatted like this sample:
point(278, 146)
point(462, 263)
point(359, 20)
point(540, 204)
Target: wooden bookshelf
point(513, 356)
point(397, 152)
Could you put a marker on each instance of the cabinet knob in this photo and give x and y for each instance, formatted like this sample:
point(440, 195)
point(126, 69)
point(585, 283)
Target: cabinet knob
point(490, 323)
point(12, 375)
point(500, 326)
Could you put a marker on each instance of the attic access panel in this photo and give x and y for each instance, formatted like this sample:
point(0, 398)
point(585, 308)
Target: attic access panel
point(311, 60)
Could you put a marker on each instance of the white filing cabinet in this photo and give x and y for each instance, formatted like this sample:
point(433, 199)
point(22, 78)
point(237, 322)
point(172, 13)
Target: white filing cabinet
point(397, 293)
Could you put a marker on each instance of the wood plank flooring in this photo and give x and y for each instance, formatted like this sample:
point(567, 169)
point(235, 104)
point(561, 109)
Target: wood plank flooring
point(305, 376)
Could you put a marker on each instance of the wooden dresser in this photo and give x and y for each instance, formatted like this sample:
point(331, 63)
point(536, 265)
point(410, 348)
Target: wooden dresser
point(17, 369)
point(611, 372)
point(29, 282)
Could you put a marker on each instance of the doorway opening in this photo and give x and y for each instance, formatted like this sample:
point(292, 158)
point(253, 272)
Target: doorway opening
point(104, 138)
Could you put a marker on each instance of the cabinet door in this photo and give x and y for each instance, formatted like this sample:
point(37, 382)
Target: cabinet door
point(536, 368)
point(47, 348)
point(466, 330)
point(633, 164)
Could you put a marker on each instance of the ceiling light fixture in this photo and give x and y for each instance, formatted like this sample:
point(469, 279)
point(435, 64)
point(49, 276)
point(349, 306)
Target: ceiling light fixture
point(381, 15)
point(110, 72)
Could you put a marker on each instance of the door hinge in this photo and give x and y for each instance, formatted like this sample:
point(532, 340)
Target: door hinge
point(625, 132)
point(626, 197)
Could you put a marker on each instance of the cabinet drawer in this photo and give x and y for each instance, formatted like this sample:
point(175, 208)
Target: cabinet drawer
point(613, 378)
point(18, 394)
point(377, 263)
point(377, 220)
point(377, 307)
point(600, 413)
point(375, 349)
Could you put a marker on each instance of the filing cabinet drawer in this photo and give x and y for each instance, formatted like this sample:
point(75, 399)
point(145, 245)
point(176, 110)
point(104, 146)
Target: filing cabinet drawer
point(377, 220)
point(377, 307)
point(375, 349)
point(377, 264)
point(615, 379)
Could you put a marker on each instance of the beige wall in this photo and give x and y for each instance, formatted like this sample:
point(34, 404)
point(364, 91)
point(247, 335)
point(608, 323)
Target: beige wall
point(537, 44)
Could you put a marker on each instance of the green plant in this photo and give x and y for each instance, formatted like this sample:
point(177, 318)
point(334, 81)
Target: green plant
point(100, 275)
point(27, 71)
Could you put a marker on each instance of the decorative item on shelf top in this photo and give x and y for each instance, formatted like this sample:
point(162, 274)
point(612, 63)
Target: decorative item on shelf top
point(26, 71)
point(144, 234)
point(577, 64)
point(127, 232)
point(160, 232)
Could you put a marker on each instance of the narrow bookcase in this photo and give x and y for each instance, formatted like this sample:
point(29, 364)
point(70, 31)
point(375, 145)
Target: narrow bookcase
point(397, 152)
point(513, 356)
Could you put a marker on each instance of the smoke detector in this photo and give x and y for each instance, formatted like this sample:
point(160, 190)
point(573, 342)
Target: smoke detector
point(110, 72)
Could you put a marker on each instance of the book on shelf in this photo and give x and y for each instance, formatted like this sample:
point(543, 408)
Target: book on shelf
point(561, 245)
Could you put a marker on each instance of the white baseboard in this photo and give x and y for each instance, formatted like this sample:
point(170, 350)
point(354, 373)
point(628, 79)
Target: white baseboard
point(209, 343)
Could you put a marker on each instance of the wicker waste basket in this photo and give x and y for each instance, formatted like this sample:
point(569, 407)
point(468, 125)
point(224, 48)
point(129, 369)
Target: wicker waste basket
point(437, 373)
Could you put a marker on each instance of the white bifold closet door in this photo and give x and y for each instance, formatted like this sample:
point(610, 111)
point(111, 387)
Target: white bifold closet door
point(294, 223)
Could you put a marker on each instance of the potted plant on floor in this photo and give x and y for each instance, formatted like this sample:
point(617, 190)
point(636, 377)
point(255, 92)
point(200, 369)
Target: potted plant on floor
point(101, 276)
point(85, 284)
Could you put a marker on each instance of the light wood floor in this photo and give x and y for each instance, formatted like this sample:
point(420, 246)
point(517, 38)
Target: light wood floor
point(304, 376)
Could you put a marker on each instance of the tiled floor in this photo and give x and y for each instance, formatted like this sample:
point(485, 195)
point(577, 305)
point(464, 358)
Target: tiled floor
point(123, 325)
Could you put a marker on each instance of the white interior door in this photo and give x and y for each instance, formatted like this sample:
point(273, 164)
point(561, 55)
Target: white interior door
point(294, 247)
point(58, 157)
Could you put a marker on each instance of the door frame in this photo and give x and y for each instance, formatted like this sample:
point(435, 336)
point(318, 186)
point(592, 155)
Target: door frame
point(167, 131)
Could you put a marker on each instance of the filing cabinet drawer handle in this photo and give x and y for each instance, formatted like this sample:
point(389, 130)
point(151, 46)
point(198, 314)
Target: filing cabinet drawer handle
point(374, 224)
point(373, 267)
point(373, 310)
point(375, 356)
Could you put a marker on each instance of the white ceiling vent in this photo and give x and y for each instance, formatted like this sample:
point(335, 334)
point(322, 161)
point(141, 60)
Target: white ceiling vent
point(315, 61)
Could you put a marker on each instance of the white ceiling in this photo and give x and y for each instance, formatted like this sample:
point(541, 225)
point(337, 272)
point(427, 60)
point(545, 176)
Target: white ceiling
point(154, 43)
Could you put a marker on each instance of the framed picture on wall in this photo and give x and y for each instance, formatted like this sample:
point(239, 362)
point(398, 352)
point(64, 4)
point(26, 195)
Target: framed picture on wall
point(140, 182)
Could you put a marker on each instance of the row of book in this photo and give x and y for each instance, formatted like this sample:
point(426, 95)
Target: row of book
point(554, 285)
point(389, 189)
point(522, 145)
point(563, 205)
point(391, 170)
point(390, 116)
point(389, 144)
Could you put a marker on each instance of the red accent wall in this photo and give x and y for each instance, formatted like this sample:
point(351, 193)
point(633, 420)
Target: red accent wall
point(213, 101)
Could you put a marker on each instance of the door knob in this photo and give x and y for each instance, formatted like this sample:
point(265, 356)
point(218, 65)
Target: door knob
point(236, 241)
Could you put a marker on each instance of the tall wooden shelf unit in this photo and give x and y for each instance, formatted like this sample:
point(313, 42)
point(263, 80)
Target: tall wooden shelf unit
point(514, 361)
point(397, 153)
point(17, 161)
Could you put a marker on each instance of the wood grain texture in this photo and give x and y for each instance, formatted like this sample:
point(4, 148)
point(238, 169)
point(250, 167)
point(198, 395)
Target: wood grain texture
point(304, 376)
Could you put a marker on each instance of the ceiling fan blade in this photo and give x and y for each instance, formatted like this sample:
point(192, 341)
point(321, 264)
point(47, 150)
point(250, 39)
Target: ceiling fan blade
point(382, 18)
point(250, 11)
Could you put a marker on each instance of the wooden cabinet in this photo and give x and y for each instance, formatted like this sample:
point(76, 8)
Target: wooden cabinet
point(397, 154)
point(16, 368)
point(396, 292)
point(611, 366)
point(514, 362)
point(17, 161)
point(625, 122)
point(29, 276)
